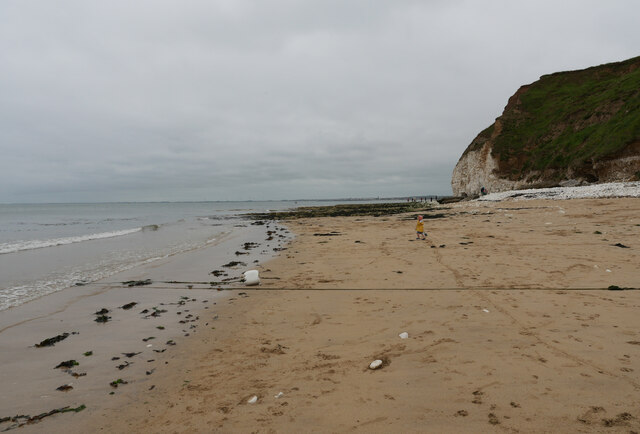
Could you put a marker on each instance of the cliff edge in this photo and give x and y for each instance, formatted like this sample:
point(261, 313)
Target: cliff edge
point(568, 128)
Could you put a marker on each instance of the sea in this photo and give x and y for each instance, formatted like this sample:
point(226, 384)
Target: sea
point(45, 248)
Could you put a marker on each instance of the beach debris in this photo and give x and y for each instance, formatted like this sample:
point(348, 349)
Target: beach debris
point(124, 365)
point(128, 305)
point(462, 413)
point(102, 319)
point(327, 234)
point(622, 246)
point(148, 339)
point(614, 288)
point(49, 342)
point(376, 364)
point(88, 353)
point(117, 382)
point(234, 264)
point(115, 358)
point(156, 312)
point(170, 342)
point(251, 278)
point(252, 400)
point(249, 246)
point(65, 387)
point(131, 283)
point(67, 364)
point(160, 327)
point(279, 395)
point(131, 354)
point(258, 223)
point(150, 372)
point(102, 311)
point(404, 335)
point(218, 273)
point(238, 253)
point(23, 419)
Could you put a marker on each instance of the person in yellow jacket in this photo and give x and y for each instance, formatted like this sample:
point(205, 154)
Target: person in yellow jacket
point(420, 229)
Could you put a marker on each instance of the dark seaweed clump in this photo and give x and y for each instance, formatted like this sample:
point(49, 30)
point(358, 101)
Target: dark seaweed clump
point(25, 419)
point(67, 364)
point(361, 209)
point(131, 283)
point(102, 319)
point(49, 342)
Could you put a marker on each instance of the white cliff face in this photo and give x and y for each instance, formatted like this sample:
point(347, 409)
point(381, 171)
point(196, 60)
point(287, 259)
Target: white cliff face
point(478, 168)
point(475, 170)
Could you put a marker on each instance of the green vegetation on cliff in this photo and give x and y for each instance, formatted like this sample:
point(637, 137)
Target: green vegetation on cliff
point(568, 120)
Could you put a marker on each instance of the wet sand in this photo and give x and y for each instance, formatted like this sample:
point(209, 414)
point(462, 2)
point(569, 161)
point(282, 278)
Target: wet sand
point(511, 328)
point(131, 345)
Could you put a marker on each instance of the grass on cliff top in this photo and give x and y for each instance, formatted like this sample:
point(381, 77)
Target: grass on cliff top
point(570, 118)
point(361, 209)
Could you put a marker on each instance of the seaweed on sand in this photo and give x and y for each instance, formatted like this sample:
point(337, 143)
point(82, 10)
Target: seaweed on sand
point(366, 209)
point(49, 342)
point(131, 283)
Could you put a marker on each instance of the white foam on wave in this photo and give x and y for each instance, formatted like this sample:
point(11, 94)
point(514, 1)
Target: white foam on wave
point(18, 246)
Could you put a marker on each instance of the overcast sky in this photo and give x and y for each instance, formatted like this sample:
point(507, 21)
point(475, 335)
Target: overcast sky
point(271, 99)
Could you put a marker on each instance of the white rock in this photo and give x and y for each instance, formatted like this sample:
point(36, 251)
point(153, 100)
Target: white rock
point(278, 395)
point(404, 335)
point(375, 364)
point(252, 400)
point(608, 271)
point(485, 310)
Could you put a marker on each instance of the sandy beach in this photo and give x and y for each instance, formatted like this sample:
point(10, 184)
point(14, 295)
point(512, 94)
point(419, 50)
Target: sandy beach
point(512, 327)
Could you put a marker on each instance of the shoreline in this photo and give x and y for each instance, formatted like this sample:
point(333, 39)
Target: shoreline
point(130, 346)
point(555, 354)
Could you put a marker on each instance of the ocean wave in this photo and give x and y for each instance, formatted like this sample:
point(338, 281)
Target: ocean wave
point(39, 244)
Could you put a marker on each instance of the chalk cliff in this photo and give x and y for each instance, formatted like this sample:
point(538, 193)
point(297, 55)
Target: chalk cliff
point(567, 128)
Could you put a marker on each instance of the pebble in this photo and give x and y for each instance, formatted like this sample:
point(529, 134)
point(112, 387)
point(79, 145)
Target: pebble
point(404, 335)
point(252, 400)
point(376, 364)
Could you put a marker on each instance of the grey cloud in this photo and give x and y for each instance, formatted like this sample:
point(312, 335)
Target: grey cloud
point(167, 100)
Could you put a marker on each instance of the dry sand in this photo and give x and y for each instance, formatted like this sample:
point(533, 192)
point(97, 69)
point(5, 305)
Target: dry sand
point(511, 329)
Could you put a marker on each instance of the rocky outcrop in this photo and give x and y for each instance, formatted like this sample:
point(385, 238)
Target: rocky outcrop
point(569, 128)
